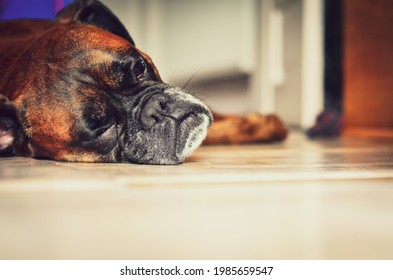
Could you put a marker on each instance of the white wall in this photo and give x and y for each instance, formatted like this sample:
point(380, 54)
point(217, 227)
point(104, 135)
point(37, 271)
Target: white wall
point(206, 38)
point(294, 90)
point(288, 94)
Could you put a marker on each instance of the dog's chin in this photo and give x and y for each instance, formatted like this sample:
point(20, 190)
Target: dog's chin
point(168, 143)
point(192, 131)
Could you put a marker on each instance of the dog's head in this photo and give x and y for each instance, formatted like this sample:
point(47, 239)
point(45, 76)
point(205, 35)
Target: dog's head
point(84, 92)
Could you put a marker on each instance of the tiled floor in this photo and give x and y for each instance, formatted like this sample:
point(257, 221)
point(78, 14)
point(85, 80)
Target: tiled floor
point(301, 199)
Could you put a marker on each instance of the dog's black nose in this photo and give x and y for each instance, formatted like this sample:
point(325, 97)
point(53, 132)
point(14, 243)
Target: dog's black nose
point(153, 110)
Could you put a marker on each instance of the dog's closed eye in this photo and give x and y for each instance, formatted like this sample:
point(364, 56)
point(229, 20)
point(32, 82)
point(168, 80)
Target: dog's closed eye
point(99, 124)
point(139, 69)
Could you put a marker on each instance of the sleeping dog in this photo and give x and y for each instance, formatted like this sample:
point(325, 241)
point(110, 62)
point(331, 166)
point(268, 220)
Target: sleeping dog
point(78, 89)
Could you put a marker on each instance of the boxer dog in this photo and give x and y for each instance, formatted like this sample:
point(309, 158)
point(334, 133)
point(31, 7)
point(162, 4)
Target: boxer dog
point(78, 89)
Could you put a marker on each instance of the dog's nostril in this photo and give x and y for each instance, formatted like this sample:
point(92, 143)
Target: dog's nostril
point(158, 117)
point(152, 112)
point(163, 105)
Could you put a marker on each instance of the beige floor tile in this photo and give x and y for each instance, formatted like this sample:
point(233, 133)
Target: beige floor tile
point(301, 199)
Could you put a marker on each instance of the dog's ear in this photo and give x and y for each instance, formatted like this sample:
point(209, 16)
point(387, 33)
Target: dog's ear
point(10, 128)
point(95, 13)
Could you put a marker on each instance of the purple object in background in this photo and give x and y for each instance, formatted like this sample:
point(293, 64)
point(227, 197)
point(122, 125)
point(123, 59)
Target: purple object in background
point(14, 9)
point(58, 5)
point(3, 3)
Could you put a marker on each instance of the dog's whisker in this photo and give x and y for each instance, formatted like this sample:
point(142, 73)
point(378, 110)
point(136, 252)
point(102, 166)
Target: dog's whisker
point(172, 76)
point(188, 83)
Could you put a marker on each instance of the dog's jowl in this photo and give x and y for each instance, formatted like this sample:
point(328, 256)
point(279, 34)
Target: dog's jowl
point(78, 89)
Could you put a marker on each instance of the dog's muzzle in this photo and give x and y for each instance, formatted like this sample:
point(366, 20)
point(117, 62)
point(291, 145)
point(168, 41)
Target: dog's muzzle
point(169, 125)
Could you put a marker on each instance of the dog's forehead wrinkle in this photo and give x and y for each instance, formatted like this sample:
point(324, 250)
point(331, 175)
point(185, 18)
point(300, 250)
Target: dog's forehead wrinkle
point(89, 36)
point(91, 57)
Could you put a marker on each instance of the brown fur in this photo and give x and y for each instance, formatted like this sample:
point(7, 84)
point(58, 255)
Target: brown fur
point(20, 36)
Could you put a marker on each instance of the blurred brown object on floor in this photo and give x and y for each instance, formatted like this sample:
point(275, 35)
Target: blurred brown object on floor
point(236, 129)
point(368, 68)
point(327, 124)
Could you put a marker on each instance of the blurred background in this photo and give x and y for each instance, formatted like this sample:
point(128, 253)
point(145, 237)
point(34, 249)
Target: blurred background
point(242, 55)
point(296, 58)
